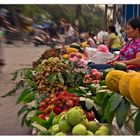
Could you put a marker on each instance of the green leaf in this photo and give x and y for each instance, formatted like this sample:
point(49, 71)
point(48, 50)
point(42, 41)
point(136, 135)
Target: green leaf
point(121, 112)
point(69, 76)
point(22, 110)
point(105, 102)
point(60, 77)
point(52, 81)
point(29, 98)
point(137, 122)
point(28, 122)
point(78, 78)
point(105, 95)
point(31, 83)
point(21, 74)
point(51, 117)
point(39, 67)
point(114, 101)
point(38, 112)
point(78, 91)
point(102, 83)
point(39, 127)
point(51, 76)
point(72, 90)
point(22, 83)
point(45, 133)
point(11, 92)
point(19, 85)
point(40, 121)
point(82, 90)
point(111, 106)
point(28, 74)
point(24, 119)
point(15, 74)
point(98, 98)
point(23, 95)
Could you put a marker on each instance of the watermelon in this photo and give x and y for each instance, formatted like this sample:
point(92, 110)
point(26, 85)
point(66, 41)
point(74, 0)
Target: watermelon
point(120, 66)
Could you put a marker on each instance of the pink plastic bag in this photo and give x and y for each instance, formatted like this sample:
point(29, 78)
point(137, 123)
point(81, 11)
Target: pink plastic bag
point(103, 48)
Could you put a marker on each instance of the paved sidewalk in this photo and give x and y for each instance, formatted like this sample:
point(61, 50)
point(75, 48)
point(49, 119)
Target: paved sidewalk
point(16, 57)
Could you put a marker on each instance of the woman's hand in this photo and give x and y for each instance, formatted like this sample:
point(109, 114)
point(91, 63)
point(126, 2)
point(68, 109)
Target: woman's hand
point(115, 62)
point(110, 62)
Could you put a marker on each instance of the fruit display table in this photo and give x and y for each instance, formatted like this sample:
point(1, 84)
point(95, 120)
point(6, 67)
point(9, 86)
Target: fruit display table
point(61, 98)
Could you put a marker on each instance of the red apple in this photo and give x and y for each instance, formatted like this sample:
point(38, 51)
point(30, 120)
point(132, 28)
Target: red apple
point(90, 115)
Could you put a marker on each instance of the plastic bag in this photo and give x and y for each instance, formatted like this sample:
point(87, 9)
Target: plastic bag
point(98, 57)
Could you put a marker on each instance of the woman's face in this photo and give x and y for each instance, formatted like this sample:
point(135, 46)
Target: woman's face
point(109, 31)
point(131, 32)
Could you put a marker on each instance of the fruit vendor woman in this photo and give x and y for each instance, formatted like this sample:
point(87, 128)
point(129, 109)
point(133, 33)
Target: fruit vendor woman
point(130, 52)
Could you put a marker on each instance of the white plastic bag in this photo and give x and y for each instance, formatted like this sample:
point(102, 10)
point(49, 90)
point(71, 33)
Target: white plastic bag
point(98, 57)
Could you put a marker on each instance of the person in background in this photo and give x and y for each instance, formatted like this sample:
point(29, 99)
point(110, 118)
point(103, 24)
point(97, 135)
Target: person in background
point(114, 43)
point(63, 24)
point(70, 34)
point(130, 52)
point(90, 41)
point(93, 36)
point(105, 37)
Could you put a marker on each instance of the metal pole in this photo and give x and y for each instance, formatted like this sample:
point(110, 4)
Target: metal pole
point(133, 11)
point(138, 10)
point(114, 14)
point(105, 16)
point(125, 13)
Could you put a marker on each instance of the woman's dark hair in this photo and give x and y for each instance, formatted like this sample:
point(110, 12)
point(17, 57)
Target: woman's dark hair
point(134, 23)
point(112, 29)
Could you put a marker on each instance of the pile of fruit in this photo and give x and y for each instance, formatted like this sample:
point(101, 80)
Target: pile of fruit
point(47, 77)
point(47, 54)
point(75, 54)
point(58, 102)
point(74, 122)
point(125, 83)
point(93, 77)
point(79, 59)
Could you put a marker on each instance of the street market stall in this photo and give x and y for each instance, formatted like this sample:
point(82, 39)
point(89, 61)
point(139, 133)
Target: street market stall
point(63, 95)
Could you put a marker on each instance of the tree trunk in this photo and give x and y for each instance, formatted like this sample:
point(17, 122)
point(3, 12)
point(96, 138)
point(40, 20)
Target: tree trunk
point(114, 14)
point(105, 17)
